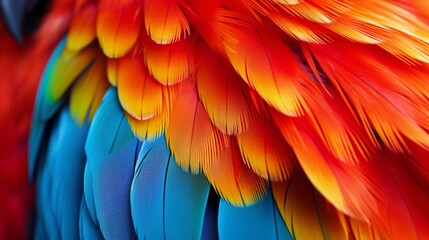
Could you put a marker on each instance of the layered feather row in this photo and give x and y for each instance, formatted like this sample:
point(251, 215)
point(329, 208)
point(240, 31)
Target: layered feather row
point(323, 101)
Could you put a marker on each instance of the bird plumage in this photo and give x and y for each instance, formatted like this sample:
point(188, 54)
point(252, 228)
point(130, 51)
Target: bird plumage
point(313, 110)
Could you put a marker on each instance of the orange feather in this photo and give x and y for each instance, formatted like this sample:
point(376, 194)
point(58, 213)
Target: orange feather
point(112, 71)
point(118, 26)
point(380, 90)
point(149, 128)
point(135, 82)
point(325, 99)
point(165, 22)
point(346, 186)
point(83, 28)
point(192, 138)
point(260, 59)
point(232, 179)
point(155, 126)
point(170, 63)
point(362, 230)
point(307, 212)
point(266, 152)
point(224, 94)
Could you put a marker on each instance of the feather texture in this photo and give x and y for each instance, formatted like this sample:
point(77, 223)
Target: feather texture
point(170, 63)
point(264, 149)
point(87, 228)
point(260, 58)
point(112, 71)
point(259, 221)
point(134, 81)
point(166, 203)
point(165, 22)
point(67, 67)
point(383, 85)
point(111, 162)
point(193, 139)
point(306, 212)
point(325, 172)
point(118, 26)
point(61, 178)
point(152, 127)
point(53, 88)
point(223, 94)
point(83, 28)
point(44, 110)
point(88, 91)
point(234, 180)
point(323, 102)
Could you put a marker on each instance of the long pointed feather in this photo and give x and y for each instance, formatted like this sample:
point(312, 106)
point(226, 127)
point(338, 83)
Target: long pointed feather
point(264, 149)
point(63, 68)
point(223, 93)
point(43, 110)
point(306, 212)
point(192, 137)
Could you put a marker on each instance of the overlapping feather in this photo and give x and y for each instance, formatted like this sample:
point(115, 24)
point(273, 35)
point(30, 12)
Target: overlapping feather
point(312, 94)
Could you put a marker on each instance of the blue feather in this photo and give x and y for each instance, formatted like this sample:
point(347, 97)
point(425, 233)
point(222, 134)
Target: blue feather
point(112, 151)
point(259, 221)
point(39, 231)
point(60, 181)
point(88, 194)
point(44, 110)
point(166, 202)
point(87, 228)
point(45, 219)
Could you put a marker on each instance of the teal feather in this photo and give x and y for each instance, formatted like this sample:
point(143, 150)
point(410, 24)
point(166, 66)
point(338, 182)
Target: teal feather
point(259, 221)
point(45, 218)
point(166, 202)
point(44, 110)
point(112, 150)
point(60, 182)
point(88, 194)
point(87, 228)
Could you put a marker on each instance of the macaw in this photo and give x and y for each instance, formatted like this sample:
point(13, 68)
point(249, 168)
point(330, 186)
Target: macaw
point(232, 119)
